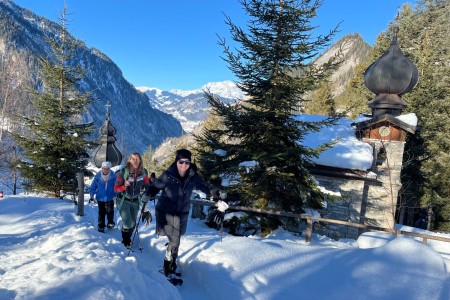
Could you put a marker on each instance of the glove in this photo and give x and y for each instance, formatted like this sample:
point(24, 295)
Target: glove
point(218, 217)
point(91, 200)
point(144, 198)
point(219, 214)
point(146, 217)
point(221, 205)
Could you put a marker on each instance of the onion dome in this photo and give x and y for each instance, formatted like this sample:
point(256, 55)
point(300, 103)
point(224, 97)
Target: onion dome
point(107, 150)
point(391, 76)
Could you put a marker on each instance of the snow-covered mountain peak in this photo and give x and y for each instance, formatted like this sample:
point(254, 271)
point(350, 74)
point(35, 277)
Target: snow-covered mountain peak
point(226, 89)
point(144, 89)
point(190, 107)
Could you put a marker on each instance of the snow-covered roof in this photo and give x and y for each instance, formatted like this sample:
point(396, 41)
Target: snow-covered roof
point(348, 152)
point(407, 122)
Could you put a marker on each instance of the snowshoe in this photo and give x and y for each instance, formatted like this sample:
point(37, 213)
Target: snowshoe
point(176, 274)
point(175, 280)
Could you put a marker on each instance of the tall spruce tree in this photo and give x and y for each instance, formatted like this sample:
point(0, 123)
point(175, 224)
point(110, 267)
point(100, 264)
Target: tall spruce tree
point(322, 101)
point(425, 39)
point(54, 142)
point(262, 128)
point(425, 36)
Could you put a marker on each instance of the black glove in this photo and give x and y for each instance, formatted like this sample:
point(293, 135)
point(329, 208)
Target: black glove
point(218, 216)
point(146, 217)
point(91, 200)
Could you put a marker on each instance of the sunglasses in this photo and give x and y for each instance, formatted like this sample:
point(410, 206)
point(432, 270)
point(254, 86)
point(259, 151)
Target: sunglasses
point(184, 161)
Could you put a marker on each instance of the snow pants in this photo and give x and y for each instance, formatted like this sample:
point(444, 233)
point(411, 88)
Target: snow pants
point(129, 213)
point(105, 209)
point(174, 228)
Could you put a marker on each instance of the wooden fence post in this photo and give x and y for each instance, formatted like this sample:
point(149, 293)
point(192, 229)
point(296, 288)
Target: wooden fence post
point(310, 219)
point(309, 223)
point(80, 177)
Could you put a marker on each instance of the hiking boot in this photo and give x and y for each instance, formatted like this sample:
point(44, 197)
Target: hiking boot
point(111, 225)
point(127, 244)
point(167, 267)
point(101, 229)
point(170, 267)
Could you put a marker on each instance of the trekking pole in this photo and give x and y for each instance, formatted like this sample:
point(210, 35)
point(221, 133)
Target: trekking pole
point(221, 230)
point(136, 230)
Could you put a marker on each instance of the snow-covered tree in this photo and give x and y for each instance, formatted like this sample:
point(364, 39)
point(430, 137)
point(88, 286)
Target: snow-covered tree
point(259, 142)
point(54, 141)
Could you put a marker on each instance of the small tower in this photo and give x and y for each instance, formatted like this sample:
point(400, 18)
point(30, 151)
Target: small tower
point(390, 77)
point(107, 151)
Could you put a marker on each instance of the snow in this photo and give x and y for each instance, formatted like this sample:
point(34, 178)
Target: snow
point(410, 119)
point(226, 89)
point(143, 89)
point(47, 251)
point(348, 152)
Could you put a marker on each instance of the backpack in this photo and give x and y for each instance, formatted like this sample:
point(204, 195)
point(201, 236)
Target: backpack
point(122, 196)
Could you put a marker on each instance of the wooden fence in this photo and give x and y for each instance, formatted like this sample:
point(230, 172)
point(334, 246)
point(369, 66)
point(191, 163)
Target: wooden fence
point(310, 219)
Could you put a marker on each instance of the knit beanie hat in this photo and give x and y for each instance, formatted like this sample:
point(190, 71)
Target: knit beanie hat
point(183, 153)
point(106, 164)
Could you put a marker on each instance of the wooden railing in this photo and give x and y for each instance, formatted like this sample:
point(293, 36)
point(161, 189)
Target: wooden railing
point(310, 219)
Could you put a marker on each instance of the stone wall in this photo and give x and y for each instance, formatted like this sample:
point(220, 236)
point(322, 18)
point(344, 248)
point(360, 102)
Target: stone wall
point(348, 209)
point(364, 200)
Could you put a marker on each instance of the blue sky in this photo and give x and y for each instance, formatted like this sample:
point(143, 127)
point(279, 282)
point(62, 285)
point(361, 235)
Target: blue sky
point(173, 44)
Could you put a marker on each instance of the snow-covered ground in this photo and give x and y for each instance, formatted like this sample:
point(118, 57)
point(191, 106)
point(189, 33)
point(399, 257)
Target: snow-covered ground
point(47, 251)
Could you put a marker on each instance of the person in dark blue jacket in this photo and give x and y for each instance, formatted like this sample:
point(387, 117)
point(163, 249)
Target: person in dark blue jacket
point(172, 209)
point(103, 188)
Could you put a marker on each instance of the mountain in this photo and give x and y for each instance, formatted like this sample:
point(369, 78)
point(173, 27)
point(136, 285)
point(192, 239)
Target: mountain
point(138, 124)
point(351, 50)
point(191, 107)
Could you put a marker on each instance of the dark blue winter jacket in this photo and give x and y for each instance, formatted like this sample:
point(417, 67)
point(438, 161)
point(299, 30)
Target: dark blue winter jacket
point(176, 192)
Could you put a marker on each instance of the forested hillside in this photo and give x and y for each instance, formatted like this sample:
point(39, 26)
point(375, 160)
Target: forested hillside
point(424, 37)
point(23, 41)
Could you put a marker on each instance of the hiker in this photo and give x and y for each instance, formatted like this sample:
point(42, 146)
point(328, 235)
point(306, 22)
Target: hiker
point(172, 208)
point(102, 188)
point(130, 184)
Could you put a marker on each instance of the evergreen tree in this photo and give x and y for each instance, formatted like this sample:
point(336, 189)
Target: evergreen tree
point(147, 159)
point(322, 101)
point(425, 36)
point(425, 39)
point(210, 162)
point(54, 142)
point(262, 128)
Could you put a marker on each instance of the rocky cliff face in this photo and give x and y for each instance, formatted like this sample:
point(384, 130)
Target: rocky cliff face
point(138, 124)
point(353, 50)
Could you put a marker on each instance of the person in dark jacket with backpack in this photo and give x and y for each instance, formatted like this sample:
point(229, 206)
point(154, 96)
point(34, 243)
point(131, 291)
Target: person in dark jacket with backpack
point(130, 184)
point(172, 209)
point(102, 187)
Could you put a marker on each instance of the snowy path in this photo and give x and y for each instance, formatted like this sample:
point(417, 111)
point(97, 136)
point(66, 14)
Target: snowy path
point(48, 252)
